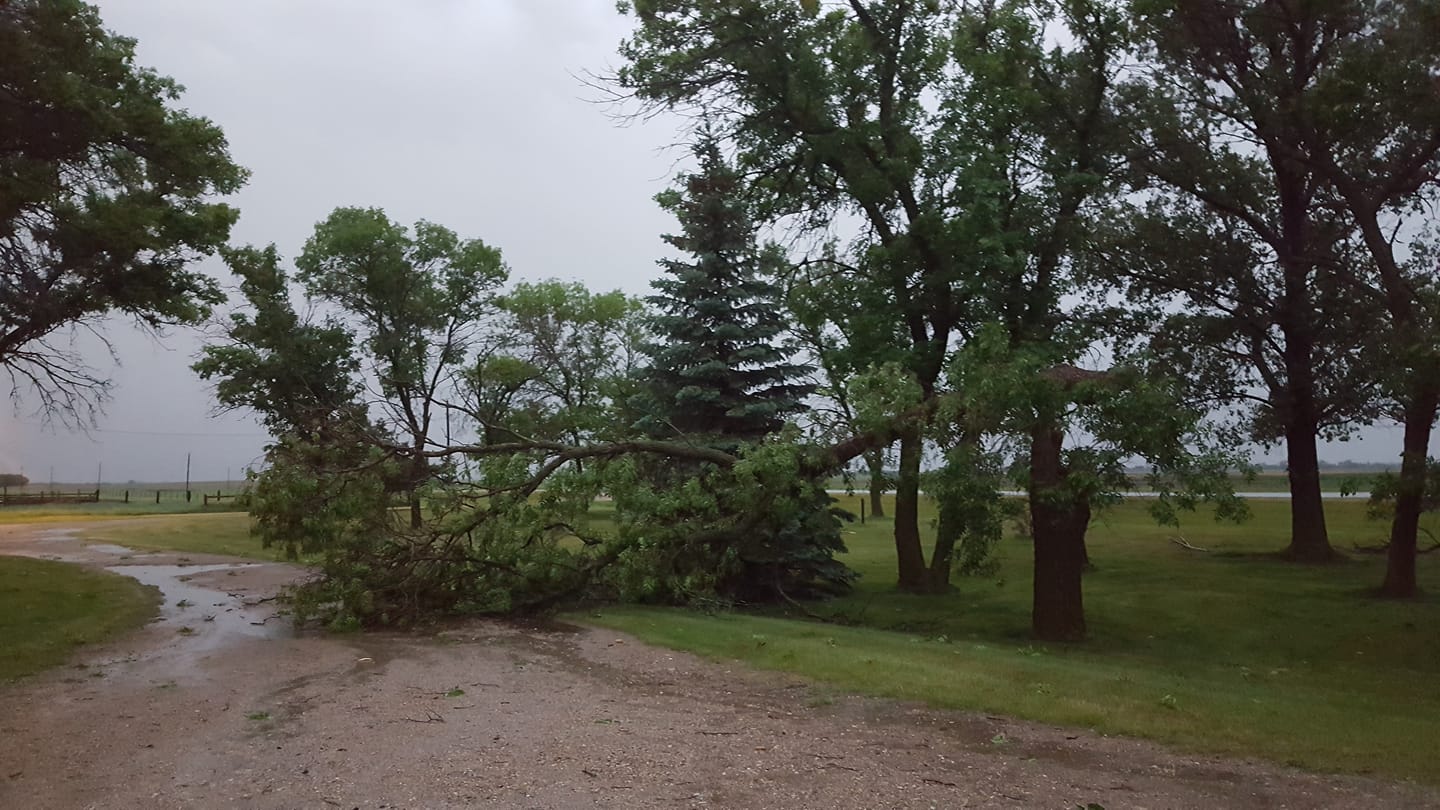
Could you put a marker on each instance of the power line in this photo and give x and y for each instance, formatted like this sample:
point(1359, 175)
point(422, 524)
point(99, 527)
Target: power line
point(207, 434)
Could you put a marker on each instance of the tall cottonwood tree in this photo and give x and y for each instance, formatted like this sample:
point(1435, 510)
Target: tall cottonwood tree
point(833, 323)
point(1371, 129)
point(1222, 121)
point(975, 152)
point(827, 109)
point(108, 196)
point(414, 299)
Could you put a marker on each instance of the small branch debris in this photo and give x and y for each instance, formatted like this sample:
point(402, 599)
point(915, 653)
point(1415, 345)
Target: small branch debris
point(430, 717)
point(1185, 544)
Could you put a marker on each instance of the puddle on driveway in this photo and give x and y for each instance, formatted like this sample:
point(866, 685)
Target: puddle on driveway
point(111, 548)
point(206, 606)
point(207, 617)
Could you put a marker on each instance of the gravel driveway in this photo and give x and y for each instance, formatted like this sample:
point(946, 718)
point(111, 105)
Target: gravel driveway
point(239, 711)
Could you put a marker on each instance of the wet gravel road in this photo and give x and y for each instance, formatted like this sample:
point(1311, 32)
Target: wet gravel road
point(221, 704)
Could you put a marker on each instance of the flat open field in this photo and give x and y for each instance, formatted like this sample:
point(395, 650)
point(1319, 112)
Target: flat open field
point(1225, 651)
point(220, 703)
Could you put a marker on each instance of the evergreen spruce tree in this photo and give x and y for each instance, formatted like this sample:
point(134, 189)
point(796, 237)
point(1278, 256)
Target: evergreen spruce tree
point(721, 375)
point(719, 371)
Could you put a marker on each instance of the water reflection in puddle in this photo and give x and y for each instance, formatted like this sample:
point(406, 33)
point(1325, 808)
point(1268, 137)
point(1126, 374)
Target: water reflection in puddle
point(210, 616)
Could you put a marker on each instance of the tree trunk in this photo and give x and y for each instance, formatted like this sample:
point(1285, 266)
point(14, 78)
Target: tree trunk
point(1409, 497)
point(418, 473)
point(1309, 540)
point(876, 462)
point(910, 557)
point(1295, 401)
point(1059, 520)
point(947, 532)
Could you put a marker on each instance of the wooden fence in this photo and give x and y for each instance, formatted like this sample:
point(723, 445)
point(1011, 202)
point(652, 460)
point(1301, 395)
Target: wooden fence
point(41, 498)
point(138, 495)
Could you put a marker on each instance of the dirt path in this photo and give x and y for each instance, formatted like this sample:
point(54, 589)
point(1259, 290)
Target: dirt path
point(241, 712)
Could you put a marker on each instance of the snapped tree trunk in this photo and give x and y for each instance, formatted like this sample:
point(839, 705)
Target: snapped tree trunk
point(876, 462)
point(1058, 520)
point(1409, 497)
point(909, 555)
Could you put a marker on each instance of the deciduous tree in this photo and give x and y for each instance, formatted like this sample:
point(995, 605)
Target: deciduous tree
point(108, 195)
point(414, 299)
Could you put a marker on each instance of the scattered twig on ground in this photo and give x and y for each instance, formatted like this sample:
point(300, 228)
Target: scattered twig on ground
point(1185, 544)
point(430, 717)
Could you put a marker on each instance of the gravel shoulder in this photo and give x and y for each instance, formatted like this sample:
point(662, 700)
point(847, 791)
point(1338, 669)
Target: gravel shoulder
point(240, 711)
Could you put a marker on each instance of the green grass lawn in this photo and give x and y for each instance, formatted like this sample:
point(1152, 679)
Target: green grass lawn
point(76, 512)
point(1229, 651)
point(225, 533)
point(1268, 481)
point(1226, 652)
point(49, 608)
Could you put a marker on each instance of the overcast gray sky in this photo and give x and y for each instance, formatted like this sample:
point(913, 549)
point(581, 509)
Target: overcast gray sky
point(463, 112)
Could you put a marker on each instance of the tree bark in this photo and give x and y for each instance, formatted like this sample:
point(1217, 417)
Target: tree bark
point(1059, 520)
point(418, 473)
point(1309, 538)
point(1409, 497)
point(947, 532)
point(910, 557)
point(876, 462)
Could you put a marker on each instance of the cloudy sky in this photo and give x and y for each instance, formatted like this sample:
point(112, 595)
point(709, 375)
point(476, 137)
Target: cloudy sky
point(463, 112)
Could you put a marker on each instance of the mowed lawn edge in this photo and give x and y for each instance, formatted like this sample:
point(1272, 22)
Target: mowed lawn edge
point(1228, 652)
point(223, 533)
point(48, 609)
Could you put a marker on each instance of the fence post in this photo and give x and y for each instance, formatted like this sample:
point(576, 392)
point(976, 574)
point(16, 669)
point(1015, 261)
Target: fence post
point(862, 510)
point(187, 496)
point(157, 496)
point(127, 496)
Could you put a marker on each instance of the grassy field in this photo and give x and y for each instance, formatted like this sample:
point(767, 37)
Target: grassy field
point(1329, 482)
point(221, 533)
point(1227, 652)
point(142, 501)
point(1268, 481)
point(48, 608)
